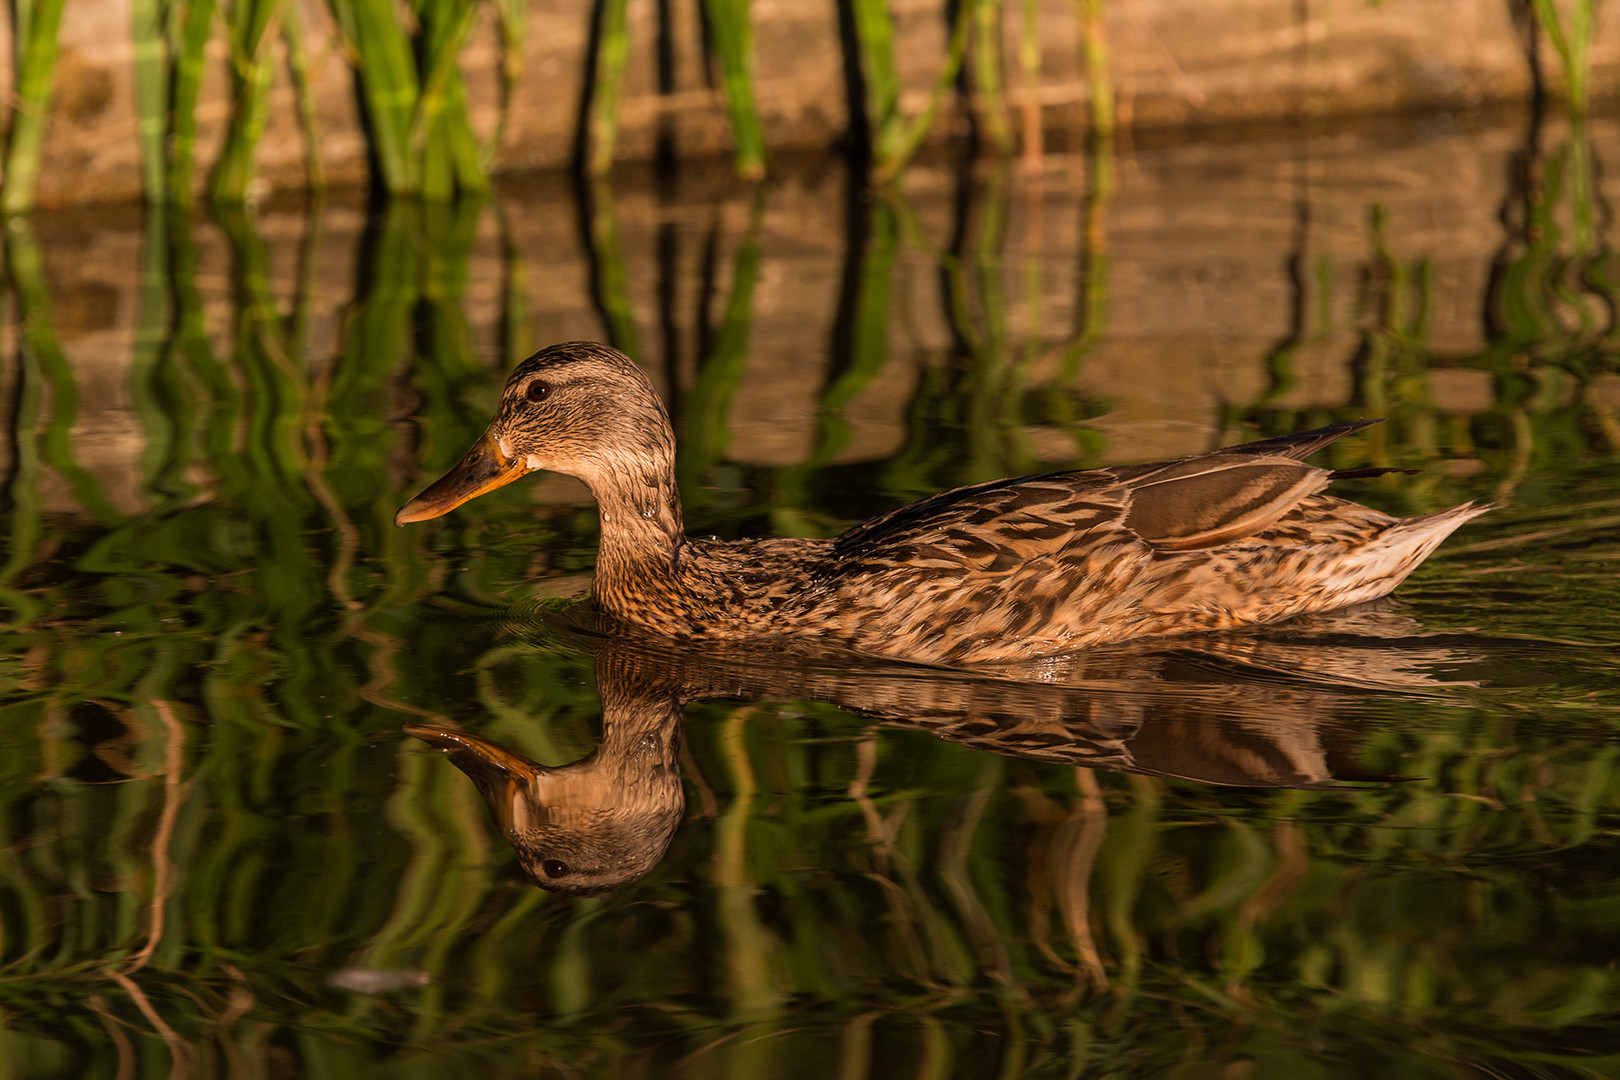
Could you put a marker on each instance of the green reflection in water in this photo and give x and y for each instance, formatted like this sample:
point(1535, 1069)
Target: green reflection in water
point(213, 633)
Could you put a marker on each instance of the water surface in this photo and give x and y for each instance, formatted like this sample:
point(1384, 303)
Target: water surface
point(1379, 844)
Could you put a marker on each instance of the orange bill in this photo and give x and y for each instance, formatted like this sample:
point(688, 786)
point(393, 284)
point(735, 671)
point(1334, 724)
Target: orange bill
point(484, 468)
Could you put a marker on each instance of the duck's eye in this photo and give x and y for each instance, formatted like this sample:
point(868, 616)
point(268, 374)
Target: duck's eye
point(537, 390)
point(554, 867)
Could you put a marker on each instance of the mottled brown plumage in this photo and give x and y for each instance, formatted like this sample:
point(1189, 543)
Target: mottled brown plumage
point(1002, 571)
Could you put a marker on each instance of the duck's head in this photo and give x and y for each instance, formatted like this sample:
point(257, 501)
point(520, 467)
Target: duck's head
point(578, 408)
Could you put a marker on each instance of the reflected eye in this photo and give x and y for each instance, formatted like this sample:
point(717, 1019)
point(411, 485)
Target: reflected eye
point(537, 390)
point(554, 867)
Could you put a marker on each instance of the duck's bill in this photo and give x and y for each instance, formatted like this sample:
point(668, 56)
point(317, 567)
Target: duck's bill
point(484, 468)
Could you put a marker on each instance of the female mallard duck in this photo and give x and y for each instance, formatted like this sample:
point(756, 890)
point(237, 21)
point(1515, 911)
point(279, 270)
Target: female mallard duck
point(1002, 571)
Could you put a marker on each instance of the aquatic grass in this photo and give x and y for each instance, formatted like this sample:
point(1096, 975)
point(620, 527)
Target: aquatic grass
point(905, 140)
point(988, 80)
point(1099, 70)
point(880, 77)
point(192, 23)
point(441, 137)
point(251, 26)
point(389, 86)
point(605, 76)
point(730, 31)
point(292, 33)
point(414, 97)
point(1033, 135)
point(35, 24)
point(149, 38)
point(513, 24)
point(1572, 43)
point(154, 323)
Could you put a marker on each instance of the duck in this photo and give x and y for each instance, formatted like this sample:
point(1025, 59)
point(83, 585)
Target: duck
point(1006, 571)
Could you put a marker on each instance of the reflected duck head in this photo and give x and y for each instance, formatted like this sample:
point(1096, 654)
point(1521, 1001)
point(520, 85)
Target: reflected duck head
point(585, 828)
point(578, 408)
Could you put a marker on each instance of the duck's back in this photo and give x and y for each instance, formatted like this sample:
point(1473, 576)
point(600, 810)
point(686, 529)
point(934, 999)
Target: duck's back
point(1021, 568)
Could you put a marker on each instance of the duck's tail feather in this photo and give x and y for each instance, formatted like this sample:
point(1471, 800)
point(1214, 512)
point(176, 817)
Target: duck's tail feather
point(1386, 562)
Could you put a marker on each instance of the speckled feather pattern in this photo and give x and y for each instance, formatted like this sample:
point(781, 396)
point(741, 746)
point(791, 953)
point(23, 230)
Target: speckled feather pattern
point(1004, 571)
point(989, 587)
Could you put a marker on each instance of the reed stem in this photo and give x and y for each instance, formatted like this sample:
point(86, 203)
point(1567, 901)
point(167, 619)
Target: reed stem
point(37, 23)
point(733, 39)
point(1573, 47)
point(195, 27)
point(151, 62)
point(874, 40)
point(602, 120)
point(911, 136)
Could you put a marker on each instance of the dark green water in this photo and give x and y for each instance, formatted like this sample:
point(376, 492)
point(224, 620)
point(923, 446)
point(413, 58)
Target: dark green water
point(222, 857)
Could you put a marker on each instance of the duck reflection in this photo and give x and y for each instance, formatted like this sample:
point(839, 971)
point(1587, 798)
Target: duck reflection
point(1261, 712)
point(600, 822)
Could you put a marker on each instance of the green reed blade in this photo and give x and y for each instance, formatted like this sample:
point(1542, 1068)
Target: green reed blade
point(248, 24)
point(1029, 69)
point(1099, 79)
point(37, 25)
point(987, 74)
point(874, 38)
point(388, 84)
point(513, 24)
point(292, 32)
point(607, 86)
point(439, 134)
point(1573, 47)
point(733, 38)
point(151, 69)
point(888, 165)
point(195, 29)
point(471, 169)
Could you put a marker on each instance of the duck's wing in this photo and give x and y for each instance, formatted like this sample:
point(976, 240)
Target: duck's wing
point(1196, 502)
point(1216, 498)
point(993, 526)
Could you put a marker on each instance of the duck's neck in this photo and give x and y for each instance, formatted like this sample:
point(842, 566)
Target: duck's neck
point(638, 566)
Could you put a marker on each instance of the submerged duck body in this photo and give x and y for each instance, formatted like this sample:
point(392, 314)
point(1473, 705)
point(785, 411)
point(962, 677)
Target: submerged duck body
point(1010, 570)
